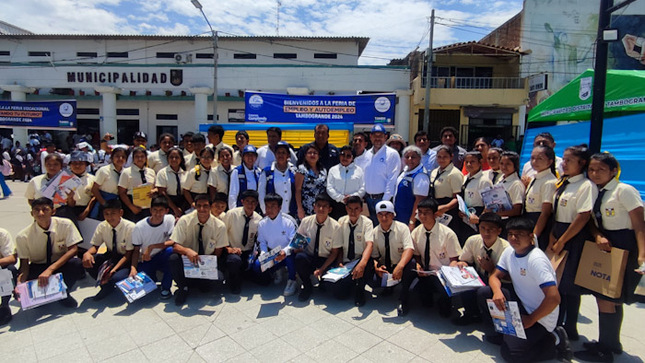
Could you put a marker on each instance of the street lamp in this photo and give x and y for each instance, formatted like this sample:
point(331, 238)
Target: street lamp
point(198, 5)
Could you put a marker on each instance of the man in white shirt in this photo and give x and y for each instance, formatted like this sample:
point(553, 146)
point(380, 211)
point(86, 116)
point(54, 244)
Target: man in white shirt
point(429, 158)
point(359, 144)
point(381, 172)
point(266, 154)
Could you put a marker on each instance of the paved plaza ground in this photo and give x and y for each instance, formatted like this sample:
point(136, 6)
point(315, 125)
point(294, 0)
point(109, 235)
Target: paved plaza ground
point(259, 325)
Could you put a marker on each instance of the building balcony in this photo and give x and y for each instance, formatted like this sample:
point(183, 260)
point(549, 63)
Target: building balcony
point(472, 91)
point(477, 82)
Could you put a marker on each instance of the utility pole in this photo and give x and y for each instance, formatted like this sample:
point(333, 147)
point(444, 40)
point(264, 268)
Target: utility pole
point(197, 5)
point(426, 111)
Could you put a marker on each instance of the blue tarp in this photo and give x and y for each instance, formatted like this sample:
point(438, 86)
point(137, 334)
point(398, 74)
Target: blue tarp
point(622, 136)
point(38, 114)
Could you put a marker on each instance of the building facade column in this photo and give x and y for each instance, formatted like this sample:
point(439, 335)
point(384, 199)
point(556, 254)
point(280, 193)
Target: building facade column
point(402, 114)
point(19, 94)
point(201, 106)
point(108, 110)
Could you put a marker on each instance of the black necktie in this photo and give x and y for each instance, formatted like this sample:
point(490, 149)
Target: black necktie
point(388, 258)
point(200, 239)
point(558, 194)
point(228, 180)
point(432, 193)
point(317, 243)
point(426, 253)
point(143, 176)
point(527, 194)
point(351, 254)
point(463, 187)
point(494, 174)
point(178, 183)
point(49, 248)
point(596, 210)
point(245, 234)
point(114, 250)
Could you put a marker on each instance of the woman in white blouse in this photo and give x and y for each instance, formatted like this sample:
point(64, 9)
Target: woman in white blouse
point(344, 180)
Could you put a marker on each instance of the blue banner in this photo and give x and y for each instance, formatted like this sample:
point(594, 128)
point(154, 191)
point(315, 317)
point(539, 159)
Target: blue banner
point(358, 109)
point(38, 114)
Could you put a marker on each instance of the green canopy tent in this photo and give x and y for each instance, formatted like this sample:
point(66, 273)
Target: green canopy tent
point(625, 94)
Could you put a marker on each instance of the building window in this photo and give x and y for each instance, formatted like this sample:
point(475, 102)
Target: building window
point(4, 53)
point(87, 111)
point(285, 55)
point(39, 54)
point(127, 111)
point(162, 116)
point(325, 55)
point(244, 56)
point(235, 115)
point(165, 55)
point(117, 54)
point(204, 55)
point(87, 54)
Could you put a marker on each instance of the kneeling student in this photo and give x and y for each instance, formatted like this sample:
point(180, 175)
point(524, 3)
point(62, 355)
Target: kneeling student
point(355, 236)
point(242, 229)
point(197, 234)
point(483, 251)
point(49, 246)
point(395, 250)
point(7, 261)
point(534, 284)
point(218, 206)
point(116, 233)
point(320, 253)
point(435, 245)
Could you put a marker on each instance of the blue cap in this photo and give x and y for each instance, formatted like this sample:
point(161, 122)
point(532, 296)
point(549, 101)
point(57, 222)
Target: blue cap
point(282, 144)
point(249, 149)
point(77, 156)
point(378, 128)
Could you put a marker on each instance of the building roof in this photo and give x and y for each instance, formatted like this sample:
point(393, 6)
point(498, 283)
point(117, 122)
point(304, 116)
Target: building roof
point(473, 47)
point(6, 28)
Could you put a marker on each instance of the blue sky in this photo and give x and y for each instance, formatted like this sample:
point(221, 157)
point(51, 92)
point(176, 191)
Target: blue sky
point(395, 27)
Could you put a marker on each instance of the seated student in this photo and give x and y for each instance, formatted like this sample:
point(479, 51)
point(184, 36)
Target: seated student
point(435, 245)
point(535, 290)
point(320, 253)
point(242, 228)
point(47, 247)
point(199, 233)
point(7, 261)
point(218, 207)
point(394, 248)
point(152, 245)
point(355, 236)
point(116, 233)
point(277, 229)
point(482, 251)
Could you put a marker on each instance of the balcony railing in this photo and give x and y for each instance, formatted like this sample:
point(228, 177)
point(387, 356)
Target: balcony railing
point(477, 82)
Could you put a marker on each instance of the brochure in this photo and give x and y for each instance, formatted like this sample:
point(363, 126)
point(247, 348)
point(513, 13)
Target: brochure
point(463, 208)
point(101, 277)
point(206, 268)
point(267, 260)
point(456, 280)
point(495, 198)
point(60, 186)
point(32, 295)
point(298, 242)
point(136, 287)
point(140, 196)
point(509, 321)
point(339, 273)
point(6, 282)
point(444, 219)
point(388, 281)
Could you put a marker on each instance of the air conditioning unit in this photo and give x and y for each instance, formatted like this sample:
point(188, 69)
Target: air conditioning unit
point(182, 58)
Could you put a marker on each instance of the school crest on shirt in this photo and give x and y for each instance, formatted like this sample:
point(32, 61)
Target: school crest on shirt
point(442, 255)
point(359, 237)
point(522, 271)
point(400, 249)
point(471, 194)
point(610, 212)
point(530, 200)
point(211, 245)
point(563, 202)
point(328, 243)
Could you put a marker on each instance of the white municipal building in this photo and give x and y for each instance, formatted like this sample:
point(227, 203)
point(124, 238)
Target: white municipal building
point(125, 83)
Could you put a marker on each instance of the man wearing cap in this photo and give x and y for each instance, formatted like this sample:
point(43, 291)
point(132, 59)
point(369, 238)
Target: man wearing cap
point(280, 178)
point(215, 137)
point(394, 248)
point(266, 154)
point(243, 177)
point(381, 171)
point(329, 155)
point(139, 139)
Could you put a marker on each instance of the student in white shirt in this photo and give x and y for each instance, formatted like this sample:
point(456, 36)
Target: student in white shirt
point(134, 176)
point(106, 181)
point(344, 180)
point(53, 165)
point(82, 201)
point(381, 171)
point(541, 139)
point(445, 185)
point(7, 261)
point(220, 178)
point(474, 182)
point(280, 178)
point(243, 177)
point(159, 159)
point(242, 229)
point(509, 164)
point(198, 143)
point(170, 179)
point(196, 181)
point(494, 157)
point(538, 202)
point(536, 293)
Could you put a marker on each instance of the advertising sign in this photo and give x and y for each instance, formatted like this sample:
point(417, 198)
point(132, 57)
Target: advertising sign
point(358, 109)
point(39, 114)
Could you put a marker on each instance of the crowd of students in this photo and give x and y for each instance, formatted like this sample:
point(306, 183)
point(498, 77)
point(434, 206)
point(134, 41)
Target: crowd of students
point(379, 207)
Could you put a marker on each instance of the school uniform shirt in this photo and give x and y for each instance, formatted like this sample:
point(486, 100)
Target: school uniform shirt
point(237, 158)
point(493, 175)
point(35, 186)
point(158, 160)
point(479, 181)
point(399, 238)
point(446, 182)
point(540, 190)
point(235, 219)
point(618, 200)
point(363, 233)
point(145, 234)
point(530, 273)
point(444, 245)
point(514, 188)
point(345, 180)
point(131, 177)
point(528, 171)
point(458, 155)
point(578, 197)
point(167, 178)
point(83, 194)
point(252, 181)
point(31, 242)
point(282, 185)
point(108, 179)
point(196, 184)
point(474, 248)
point(190, 160)
point(275, 232)
point(309, 227)
point(381, 172)
point(186, 233)
point(221, 216)
point(7, 244)
point(104, 234)
point(420, 183)
point(216, 149)
point(220, 178)
point(266, 157)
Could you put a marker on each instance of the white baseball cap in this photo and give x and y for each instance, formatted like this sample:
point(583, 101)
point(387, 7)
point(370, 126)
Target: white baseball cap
point(385, 206)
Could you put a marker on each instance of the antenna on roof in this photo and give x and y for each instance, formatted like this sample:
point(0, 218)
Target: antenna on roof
point(277, 17)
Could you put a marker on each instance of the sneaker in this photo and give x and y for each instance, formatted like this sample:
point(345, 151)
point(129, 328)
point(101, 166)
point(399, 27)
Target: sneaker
point(102, 294)
point(165, 294)
point(314, 281)
point(290, 289)
point(69, 302)
point(564, 351)
point(180, 296)
point(5, 315)
point(277, 277)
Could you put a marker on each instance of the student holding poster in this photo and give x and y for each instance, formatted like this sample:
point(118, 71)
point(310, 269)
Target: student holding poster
point(133, 177)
